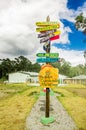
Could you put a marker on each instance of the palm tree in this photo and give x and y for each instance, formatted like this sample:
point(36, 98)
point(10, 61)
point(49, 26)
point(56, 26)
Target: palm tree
point(81, 23)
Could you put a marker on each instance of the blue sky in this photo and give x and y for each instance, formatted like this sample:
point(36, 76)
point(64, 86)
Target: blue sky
point(76, 37)
point(74, 4)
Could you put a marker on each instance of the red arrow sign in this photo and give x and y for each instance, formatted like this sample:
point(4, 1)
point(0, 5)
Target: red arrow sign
point(54, 38)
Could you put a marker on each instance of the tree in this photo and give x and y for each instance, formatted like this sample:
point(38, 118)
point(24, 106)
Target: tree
point(35, 67)
point(80, 23)
point(57, 65)
point(65, 68)
point(22, 63)
point(5, 67)
point(18, 64)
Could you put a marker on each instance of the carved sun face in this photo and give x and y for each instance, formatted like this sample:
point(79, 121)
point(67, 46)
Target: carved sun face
point(48, 76)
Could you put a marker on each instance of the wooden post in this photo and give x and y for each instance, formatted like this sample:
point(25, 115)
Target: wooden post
point(47, 102)
point(47, 89)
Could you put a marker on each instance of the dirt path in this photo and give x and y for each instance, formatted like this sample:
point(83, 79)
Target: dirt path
point(62, 120)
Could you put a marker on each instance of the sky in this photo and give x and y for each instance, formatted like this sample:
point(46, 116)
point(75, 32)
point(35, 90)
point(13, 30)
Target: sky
point(18, 34)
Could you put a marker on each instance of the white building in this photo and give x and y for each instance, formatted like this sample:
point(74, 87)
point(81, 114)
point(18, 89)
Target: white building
point(23, 77)
point(61, 79)
point(29, 77)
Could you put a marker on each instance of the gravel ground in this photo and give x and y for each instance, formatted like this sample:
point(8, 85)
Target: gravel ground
point(62, 120)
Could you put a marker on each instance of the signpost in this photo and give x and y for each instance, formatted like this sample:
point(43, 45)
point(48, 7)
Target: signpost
point(48, 75)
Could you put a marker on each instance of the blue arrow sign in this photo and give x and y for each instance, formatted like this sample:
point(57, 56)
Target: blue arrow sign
point(46, 46)
point(44, 60)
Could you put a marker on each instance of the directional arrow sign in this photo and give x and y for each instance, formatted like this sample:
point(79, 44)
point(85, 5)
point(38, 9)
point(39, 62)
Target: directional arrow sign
point(51, 38)
point(44, 60)
point(54, 38)
point(47, 23)
point(47, 28)
point(50, 55)
point(57, 32)
point(47, 33)
point(46, 38)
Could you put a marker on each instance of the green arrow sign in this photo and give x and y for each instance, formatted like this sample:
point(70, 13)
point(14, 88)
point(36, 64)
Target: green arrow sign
point(50, 55)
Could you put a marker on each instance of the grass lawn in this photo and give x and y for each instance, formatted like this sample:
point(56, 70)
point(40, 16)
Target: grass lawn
point(73, 98)
point(16, 101)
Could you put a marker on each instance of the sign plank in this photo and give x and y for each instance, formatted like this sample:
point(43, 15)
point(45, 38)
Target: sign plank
point(46, 33)
point(47, 28)
point(54, 38)
point(50, 55)
point(47, 60)
point(57, 32)
point(46, 38)
point(47, 23)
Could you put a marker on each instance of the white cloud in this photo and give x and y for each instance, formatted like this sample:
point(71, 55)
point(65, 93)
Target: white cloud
point(72, 56)
point(64, 35)
point(82, 9)
point(17, 23)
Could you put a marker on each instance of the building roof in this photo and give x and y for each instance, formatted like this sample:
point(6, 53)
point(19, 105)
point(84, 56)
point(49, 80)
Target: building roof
point(80, 77)
point(27, 73)
point(30, 73)
point(62, 76)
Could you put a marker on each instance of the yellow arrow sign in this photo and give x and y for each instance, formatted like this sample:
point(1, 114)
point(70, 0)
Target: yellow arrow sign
point(57, 32)
point(47, 28)
point(46, 23)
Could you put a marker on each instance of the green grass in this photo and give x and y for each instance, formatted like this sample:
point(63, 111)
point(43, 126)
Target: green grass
point(16, 102)
point(74, 101)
